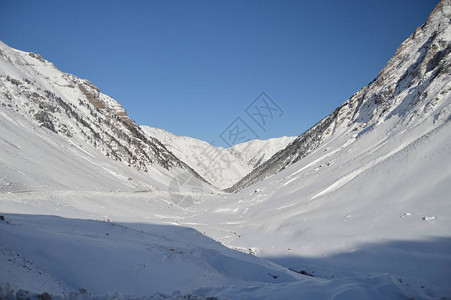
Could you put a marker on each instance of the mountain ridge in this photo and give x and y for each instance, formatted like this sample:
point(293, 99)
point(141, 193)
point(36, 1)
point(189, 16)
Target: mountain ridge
point(33, 89)
point(221, 167)
point(411, 67)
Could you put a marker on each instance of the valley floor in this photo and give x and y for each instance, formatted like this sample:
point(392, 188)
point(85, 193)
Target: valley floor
point(61, 255)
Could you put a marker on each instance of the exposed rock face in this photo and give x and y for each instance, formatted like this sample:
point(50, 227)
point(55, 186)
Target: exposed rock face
point(413, 85)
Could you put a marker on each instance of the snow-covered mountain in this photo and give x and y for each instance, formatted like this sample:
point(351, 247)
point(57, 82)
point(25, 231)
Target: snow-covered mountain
point(220, 166)
point(35, 91)
point(256, 152)
point(59, 130)
point(355, 208)
point(413, 86)
point(366, 190)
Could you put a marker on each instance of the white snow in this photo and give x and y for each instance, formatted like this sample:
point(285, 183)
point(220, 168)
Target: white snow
point(221, 167)
point(366, 214)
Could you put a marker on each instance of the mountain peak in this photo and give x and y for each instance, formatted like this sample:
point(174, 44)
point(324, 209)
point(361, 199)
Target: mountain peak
point(219, 166)
point(413, 86)
point(75, 109)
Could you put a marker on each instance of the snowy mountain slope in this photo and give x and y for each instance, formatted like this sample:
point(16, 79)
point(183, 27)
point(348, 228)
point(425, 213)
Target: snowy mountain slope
point(365, 211)
point(360, 198)
point(39, 102)
point(413, 85)
point(352, 211)
point(221, 167)
point(35, 159)
point(215, 164)
point(332, 215)
point(256, 152)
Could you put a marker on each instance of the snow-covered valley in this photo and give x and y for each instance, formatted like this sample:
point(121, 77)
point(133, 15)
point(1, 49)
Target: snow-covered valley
point(219, 166)
point(358, 207)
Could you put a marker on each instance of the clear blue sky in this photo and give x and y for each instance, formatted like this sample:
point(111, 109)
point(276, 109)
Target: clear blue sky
point(192, 67)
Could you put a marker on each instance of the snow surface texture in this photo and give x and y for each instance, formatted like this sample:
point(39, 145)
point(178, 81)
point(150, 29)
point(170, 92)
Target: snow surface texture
point(221, 167)
point(358, 207)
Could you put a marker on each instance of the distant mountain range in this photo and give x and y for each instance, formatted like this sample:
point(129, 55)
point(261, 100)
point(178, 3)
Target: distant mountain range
point(219, 166)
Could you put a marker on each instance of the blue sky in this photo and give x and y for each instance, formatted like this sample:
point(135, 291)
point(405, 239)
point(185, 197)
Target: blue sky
point(192, 67)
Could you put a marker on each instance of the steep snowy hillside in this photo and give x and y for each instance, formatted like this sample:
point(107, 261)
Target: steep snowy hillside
point(353, 212)
point(413, 86)
point(58, 129)
point(221, 167)
point(74, 107)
